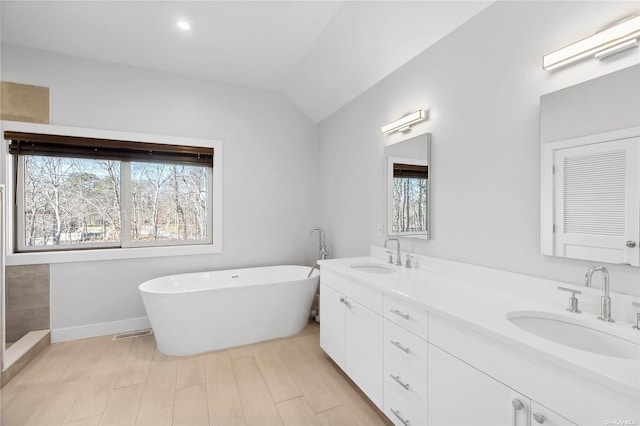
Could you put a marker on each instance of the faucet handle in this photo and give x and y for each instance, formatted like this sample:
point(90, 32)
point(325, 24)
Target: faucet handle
point(408, 258)
point(573, 300)
point(390, 256)
point(637, 326)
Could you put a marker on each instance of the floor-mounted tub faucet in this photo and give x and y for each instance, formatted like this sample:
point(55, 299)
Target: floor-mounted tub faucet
point(605, 300)
point(323, 253)
point(398, 259)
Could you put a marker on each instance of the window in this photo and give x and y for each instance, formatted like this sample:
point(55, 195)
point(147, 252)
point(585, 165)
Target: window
point(79, 193)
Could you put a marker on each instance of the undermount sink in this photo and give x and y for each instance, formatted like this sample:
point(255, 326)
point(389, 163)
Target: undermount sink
point(373, 268)
point(577, 333)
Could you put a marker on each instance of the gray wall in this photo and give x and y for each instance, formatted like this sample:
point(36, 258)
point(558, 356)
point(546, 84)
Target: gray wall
point(269, 179)
point(482, 85)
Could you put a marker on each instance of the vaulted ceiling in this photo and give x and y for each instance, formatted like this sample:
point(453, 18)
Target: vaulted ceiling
point(319, 54)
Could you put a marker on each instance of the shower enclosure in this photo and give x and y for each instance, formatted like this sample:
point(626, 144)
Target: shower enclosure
point(24, 309)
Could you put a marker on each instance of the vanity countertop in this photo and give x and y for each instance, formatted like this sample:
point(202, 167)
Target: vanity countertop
point(482, 309)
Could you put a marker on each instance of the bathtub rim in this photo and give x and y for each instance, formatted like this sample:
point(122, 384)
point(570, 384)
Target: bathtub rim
point(143, 289)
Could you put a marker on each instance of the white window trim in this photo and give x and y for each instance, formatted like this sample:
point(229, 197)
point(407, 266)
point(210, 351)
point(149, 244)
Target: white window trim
point(15, 258)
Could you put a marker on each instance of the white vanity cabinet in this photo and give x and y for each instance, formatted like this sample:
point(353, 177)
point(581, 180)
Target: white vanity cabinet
point(405, 362)
point(351, 331)
point(462, 395)
point(333, 328)
point(417, 355)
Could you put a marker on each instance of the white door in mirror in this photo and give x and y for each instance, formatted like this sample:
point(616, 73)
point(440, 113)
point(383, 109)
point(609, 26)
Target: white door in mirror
point(597, 201)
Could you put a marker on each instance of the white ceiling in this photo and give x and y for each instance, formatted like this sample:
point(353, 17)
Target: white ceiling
point(319, 54)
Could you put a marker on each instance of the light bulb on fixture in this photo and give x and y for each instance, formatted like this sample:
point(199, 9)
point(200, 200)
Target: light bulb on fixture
point(183, 25)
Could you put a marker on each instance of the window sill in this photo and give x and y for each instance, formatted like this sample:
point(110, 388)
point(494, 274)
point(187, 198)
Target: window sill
point(73, 256)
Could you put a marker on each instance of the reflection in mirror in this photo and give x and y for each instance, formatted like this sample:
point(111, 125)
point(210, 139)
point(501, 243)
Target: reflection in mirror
point(407, 175)
point(589, 170)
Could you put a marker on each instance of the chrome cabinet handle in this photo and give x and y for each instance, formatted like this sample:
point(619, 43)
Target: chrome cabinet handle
point(630, 244)
point(397, 312)
point(399, 346)
point(517, 406)
point(397, 379)
point(538, 417)
point(397, 414)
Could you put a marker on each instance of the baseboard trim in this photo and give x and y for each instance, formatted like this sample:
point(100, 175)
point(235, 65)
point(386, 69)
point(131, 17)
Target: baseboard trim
point(99, 329)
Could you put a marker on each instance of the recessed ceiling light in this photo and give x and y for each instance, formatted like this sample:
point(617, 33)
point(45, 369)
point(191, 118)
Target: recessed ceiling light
point(184, 25)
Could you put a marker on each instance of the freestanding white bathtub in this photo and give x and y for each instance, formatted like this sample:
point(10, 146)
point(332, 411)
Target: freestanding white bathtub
point(200, 312)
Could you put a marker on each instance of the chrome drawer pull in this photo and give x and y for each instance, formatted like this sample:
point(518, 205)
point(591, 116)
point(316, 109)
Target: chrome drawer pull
point(399, 346)
point(397, 312)
point(346, 302)
point(538, 417)
point(397, 414)
point(517, 406)
point(397, 379)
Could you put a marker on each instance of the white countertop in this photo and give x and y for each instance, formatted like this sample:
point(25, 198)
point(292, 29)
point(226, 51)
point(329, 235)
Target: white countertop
point(483, 310)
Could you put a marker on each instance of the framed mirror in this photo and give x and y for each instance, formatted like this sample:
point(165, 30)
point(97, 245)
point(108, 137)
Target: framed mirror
point(407, 179)
point(590, 170)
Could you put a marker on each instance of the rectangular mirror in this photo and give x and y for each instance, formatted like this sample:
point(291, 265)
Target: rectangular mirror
point(407, 178)
point(589, 170)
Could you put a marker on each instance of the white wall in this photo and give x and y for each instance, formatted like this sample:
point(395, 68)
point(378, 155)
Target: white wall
point(269, 174)
point(482, 85)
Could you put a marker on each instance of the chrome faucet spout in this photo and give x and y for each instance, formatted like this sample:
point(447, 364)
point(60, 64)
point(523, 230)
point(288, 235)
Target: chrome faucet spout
point(605, 299)
point(398, 259)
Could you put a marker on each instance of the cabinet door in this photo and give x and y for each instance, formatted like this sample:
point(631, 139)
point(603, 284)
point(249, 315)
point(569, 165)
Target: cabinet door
point(364, 350)
point(332, 324)
point(461, 395)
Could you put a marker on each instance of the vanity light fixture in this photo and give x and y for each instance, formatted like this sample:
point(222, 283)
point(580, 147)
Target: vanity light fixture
point(404, 123)
point(602, 54)
point(600, 45)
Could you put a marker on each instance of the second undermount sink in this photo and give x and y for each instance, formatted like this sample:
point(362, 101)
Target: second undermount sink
point(373, 268)
point(577, 333)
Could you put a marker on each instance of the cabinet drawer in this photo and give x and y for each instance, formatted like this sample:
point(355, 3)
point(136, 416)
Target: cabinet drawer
point(411, 387)
point(405, 346)
point(365, 294)
point(406, 315)
point(399, 411)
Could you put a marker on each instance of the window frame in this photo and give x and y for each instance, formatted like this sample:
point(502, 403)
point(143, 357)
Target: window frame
point(17, 255)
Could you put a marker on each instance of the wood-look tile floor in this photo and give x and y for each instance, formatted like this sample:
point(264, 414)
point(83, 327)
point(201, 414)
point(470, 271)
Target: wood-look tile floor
point(100, 382)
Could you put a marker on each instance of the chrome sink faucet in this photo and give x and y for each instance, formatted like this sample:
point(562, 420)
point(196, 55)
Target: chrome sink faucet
point(605, 300)
point(398, 259)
